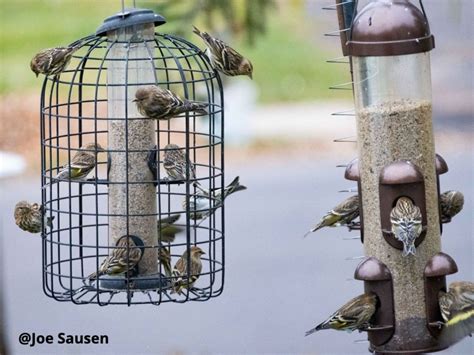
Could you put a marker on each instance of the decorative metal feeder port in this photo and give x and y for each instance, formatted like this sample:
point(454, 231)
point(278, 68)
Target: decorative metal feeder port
point(127, 193)
point(388, 44)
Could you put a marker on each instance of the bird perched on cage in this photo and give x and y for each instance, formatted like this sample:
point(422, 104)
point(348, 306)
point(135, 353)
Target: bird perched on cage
point(457, 310)
point(28, 216)
point(162, 104)
point(354, 315)
point(224, 58)
point(53, 61)
point(167, 229)
point(124, 258)
point(343, 214)
point(175, 163)
point(180, 271)
point(204, 203)
point(164, 258)
point(406, 222)
point(451, 203)
point(81, 164)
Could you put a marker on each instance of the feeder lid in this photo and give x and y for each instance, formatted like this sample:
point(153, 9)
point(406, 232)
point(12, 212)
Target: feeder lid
point(390, 27)
point(129, 17)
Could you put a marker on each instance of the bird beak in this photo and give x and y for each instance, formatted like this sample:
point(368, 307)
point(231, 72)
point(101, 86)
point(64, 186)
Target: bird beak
point(36, 74)
point(251, 76)
point(134, 100)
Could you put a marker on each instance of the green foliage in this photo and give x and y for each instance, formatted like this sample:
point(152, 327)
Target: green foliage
point(288, 65)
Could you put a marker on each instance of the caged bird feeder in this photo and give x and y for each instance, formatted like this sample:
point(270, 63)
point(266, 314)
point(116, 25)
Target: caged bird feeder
point(388, 44)
point(125, 195)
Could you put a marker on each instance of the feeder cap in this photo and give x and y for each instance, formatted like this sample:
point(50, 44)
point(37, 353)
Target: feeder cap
point(389, 28)
point(129, 17)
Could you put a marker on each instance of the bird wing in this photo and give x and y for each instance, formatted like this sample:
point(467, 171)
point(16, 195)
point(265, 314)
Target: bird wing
point(60, 55)
point(164, 222)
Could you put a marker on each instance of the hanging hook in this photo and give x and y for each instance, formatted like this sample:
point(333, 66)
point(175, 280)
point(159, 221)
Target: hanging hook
point(123, 6)
point(134, 4)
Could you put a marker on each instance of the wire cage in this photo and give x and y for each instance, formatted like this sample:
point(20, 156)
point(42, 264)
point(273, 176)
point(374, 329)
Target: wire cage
point(128, 193)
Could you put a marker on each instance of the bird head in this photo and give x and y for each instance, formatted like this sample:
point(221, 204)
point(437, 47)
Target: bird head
point(141, 95)
point(196, 252)
point(21, 208)
point(246, 68)
point(34, 66)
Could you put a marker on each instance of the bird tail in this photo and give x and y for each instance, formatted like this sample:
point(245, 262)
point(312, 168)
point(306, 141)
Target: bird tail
point(409, 249)
point(93, 276)
point(323, 325)
point(234, 186)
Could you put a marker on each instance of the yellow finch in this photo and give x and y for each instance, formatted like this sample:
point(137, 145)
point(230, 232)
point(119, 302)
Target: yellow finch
point(343, 214)
point(180, 271)
point(81, 164)
point(167, 230)
point(125, 257)
point(175, 163)
point(457, 310)
point(224, 58)
point(406, 222)
point(28, 216)
point(354, 315)
point(451, 203)
point(204, 203)
point(162, 104)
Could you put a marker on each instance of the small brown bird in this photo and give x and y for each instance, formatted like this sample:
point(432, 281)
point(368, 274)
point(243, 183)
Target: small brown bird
point(167, 230)
point(343, 214)
point(224, 58)
point(124, 258)
point(81, 164)
point(457, 310)
point(451, 203)
point(354, 315)
point(175, 163)
point(180, 271)
point(162, 104)
point(406, 220)
point(28, 216)
point(205, 203)
point(164, 257)
point(53, 61)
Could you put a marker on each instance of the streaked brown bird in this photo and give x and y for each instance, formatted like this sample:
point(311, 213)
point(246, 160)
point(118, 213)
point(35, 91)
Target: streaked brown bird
point(354, 315)
point(406, 220)
point(53, 61)
point(204, 203)
point(28, 216)
point(180, 271)
point(224, 58)
point(124, 258)
point(457, 310)
point(451, 203)
point(81, 164)
point(343, 214)
point(162, 104)
point(175, 163)
point(167, 229)
point(164, 258)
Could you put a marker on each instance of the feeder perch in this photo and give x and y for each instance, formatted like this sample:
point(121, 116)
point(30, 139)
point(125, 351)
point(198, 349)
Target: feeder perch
point(128, 191)
point(389, 44)
point(441, 168)
point(401, 178)
point(352, 173)
point(436, 270)
point(378, 279)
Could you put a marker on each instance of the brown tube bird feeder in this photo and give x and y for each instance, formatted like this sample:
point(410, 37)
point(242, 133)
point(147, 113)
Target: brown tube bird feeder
point(389, 44)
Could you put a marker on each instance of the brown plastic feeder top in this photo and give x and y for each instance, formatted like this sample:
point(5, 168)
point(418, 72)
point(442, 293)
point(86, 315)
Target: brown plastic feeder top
point(400, 172)
point(390, 27)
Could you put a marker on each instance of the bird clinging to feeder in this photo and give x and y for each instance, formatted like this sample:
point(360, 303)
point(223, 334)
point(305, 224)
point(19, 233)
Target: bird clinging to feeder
point(53, 61)
point(223, 58)
point(28, 216)
point(343, 214)
point(451, 203)
point(81, 163)
point(354, 315)
point(162, 104)
point(175, 163)
point(180, 270)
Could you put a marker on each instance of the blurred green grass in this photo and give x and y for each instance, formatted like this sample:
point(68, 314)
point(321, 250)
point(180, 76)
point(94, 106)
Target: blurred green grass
point(288, 67)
